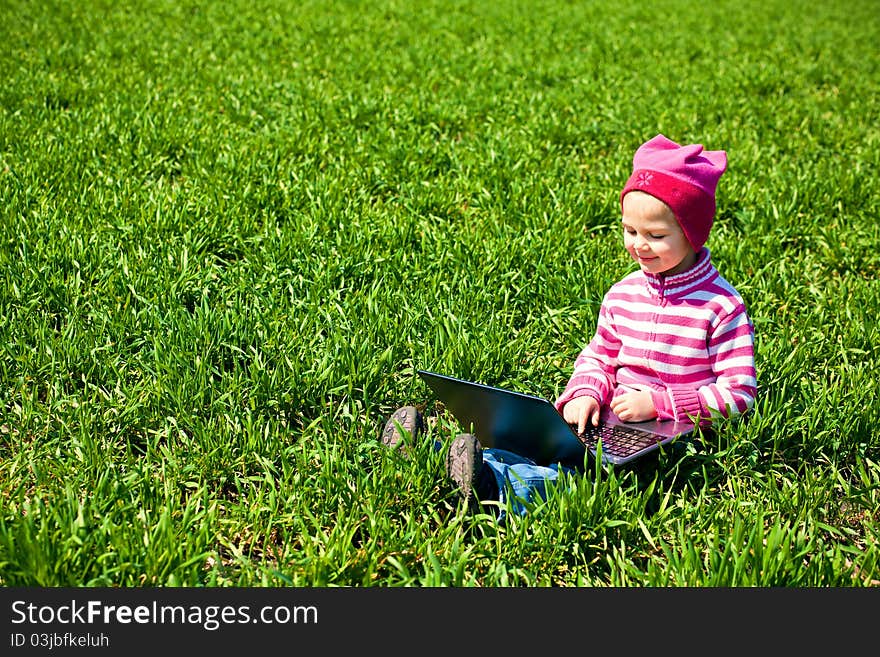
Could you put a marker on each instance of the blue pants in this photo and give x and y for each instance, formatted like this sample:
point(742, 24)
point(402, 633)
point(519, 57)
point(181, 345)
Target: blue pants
point(520, 480)
point(517, 479)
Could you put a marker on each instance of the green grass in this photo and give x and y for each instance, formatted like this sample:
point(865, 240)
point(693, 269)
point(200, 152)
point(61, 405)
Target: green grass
point(230, 232)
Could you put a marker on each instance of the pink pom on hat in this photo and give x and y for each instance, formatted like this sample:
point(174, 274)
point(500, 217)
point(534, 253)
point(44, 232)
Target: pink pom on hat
point(684, 178)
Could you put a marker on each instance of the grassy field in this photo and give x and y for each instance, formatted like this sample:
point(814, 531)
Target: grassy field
point(230, 232)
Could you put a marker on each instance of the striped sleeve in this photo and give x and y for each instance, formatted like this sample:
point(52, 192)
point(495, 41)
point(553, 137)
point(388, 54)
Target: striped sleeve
point(595, 366)
point(732, 393)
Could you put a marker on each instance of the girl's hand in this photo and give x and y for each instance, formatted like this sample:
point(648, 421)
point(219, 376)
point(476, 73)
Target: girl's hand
point(634, 406)
point(580, 410)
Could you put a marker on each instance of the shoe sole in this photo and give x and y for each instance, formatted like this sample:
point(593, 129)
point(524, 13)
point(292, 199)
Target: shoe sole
point(406, 419)
point(463, 463)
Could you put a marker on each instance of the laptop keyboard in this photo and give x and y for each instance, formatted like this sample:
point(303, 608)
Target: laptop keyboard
point(617, 440)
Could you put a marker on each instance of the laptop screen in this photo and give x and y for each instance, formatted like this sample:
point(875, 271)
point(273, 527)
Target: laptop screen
point(503, 419)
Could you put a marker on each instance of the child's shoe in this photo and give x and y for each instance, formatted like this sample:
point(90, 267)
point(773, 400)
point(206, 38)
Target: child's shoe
point(464, 463)
point(406, 418)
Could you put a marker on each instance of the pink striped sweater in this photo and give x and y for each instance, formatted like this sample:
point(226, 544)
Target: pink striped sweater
point(686, 337)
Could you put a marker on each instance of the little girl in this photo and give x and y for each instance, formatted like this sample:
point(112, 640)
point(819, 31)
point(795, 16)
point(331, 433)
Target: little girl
point(673, 339)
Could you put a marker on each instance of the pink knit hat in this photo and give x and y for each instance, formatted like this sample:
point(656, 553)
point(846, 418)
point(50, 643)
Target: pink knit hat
point(684, 178)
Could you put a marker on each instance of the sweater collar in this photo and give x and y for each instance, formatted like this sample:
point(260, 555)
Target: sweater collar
point(679, 284)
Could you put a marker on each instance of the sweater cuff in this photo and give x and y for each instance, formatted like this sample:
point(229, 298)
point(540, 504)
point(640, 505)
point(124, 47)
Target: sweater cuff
point(663, 404)
point(570, 394)
point(687, 404)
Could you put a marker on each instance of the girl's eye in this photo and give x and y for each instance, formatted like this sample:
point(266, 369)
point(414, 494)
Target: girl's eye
point(656, 237)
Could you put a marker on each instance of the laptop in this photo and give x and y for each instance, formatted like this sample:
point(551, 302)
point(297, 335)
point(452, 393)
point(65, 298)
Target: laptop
point(532, 427)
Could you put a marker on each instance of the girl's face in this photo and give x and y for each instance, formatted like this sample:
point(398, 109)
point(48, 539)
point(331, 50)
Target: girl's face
point(653, 237)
